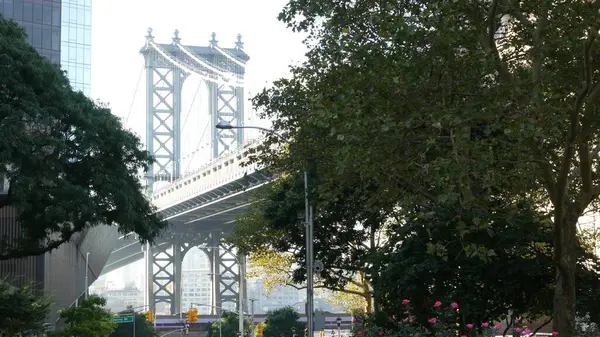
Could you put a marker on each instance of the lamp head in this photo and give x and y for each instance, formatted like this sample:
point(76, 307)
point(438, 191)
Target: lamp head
point(223, 125)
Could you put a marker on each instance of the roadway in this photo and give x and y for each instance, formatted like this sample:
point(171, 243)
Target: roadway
point(204, 200)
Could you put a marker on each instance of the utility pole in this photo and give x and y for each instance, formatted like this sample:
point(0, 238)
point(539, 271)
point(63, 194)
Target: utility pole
point(87, 267)
point(251, 316)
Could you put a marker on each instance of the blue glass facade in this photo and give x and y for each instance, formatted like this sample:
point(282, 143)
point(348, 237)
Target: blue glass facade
point(41, 20)
point(76, 41)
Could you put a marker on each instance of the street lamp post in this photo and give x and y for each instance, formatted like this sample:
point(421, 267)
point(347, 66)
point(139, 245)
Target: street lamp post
point(307, 224)
point(87, 267)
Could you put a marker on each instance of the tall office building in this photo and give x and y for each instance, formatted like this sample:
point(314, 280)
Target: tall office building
point(41, 20)
point(61, 32)
point(76, 42)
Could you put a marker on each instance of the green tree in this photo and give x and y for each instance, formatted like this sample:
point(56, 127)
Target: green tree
point(89, 319)
point(143, 328)
point(276, 269)
point(437, 101)
point(347, 235)
point(70, 162)
point(516, 275)
point(22, 312)
point(228, 326)
point(282, 323)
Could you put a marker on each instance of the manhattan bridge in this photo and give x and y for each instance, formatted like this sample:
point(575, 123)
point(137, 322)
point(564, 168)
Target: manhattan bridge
point(200, 204)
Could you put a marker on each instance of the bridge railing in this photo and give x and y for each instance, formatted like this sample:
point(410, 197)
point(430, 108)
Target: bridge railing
point(214, 174)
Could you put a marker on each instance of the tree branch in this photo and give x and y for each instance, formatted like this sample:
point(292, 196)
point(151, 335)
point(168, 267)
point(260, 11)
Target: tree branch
point(547, 174)
point(541, 326)
point(563, 174)
point(538, 55)
point(595, 152)
point(490, 42)
point(39, 250)
point(585, 167)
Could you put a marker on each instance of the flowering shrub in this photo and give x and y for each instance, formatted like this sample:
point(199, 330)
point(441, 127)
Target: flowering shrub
point(443, 322)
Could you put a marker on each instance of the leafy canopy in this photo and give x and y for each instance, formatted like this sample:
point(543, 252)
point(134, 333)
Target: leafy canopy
point(346, 235)
point(448, 101)
point(282, 322)
point(89, 319)
point(70, 163)
point(511, 271)
point(22, 312)
point(228, 325)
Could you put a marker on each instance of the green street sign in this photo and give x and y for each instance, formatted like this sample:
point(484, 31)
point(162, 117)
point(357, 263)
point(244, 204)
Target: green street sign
point(123, 319)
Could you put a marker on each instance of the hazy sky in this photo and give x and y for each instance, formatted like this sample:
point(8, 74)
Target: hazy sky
point(118, 33)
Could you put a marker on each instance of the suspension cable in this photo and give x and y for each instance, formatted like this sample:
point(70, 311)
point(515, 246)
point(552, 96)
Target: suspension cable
point(137, 85)
point(231, 58)
point(188, 68)
point(191, 106)
point(226, 76)
point(197, 148)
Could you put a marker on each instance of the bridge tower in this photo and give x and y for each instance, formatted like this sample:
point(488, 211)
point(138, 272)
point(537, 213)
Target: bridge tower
point(167, 67)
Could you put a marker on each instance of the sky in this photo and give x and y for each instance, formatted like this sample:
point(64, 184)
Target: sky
point(118, 33)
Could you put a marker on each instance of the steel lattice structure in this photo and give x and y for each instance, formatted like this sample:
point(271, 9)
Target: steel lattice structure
point(167, 67)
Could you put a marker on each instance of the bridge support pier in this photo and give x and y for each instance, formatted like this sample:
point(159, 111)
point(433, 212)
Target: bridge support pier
point(226, 276)
point(164, 262)
point(164, 268)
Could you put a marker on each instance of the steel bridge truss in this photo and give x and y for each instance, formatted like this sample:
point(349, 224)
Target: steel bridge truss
point(164, 260)
point(167, 67)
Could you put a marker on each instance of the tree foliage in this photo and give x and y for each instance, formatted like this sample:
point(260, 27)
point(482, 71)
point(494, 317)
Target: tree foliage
point(228, 325)
point(89, 319)
point(512, 271)
point(143, 328)
point(22, 312)
point(70, 163)
point(282, 322)
point(272, 232)
point(446, 102)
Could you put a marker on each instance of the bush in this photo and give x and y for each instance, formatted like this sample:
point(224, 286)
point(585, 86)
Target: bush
point(444, 321)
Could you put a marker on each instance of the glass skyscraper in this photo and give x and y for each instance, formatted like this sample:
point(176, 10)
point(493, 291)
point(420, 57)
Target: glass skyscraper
point(76, 41)
point(41, 20)
point(60, 31)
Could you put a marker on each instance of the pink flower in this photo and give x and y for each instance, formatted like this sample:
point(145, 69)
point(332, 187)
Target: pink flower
point(463, 336)
point(527, 332)
point(437, 304)
point(485, 325)
point(554, 333)
point(411, 318)
point(498, 326)
point(432, 320)
point(517, 330)
point(469, 326)
point(454, 305)
point(405, 301)
point(360, 333)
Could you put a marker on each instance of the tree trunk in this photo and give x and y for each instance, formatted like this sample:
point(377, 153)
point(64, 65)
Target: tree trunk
point(565, 258)
point(369, 302)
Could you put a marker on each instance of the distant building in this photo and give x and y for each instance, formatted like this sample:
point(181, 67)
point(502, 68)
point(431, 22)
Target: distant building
point(120, 299)
point(196, 282)
point(278, 298)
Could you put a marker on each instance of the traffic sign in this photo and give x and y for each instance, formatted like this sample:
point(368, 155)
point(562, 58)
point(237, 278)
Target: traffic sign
point(123, 319)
